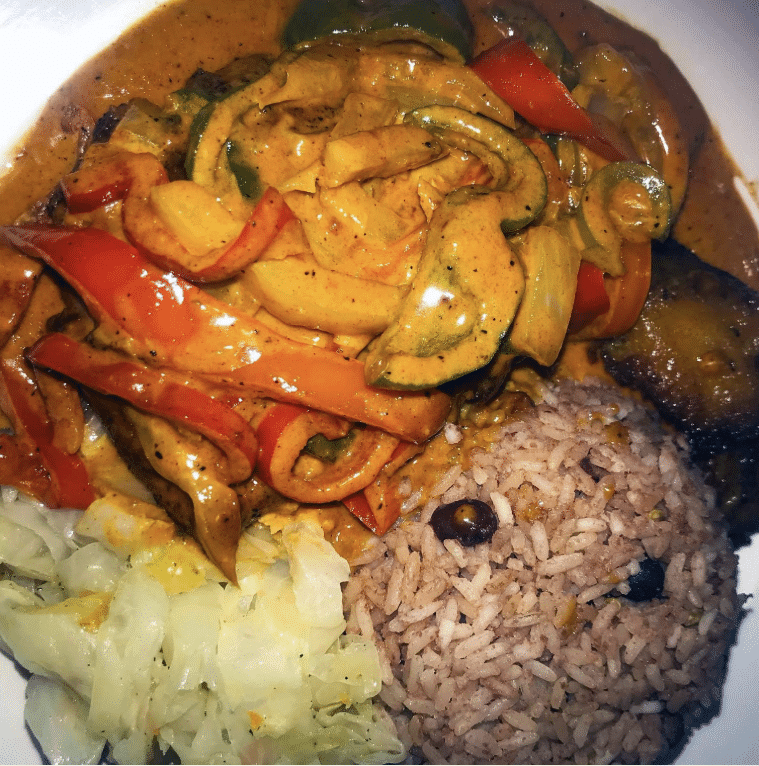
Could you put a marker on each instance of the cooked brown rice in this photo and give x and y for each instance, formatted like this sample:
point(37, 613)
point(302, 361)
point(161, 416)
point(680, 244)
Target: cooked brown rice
point(525, 649)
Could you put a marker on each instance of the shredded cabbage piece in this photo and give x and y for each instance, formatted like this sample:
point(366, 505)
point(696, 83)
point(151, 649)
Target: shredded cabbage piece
point(58, 718)
point(133, 649)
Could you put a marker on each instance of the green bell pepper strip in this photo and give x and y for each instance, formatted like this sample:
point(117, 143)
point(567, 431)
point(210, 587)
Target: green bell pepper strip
point(212, 158)
point(442, 24)
point(248, 180)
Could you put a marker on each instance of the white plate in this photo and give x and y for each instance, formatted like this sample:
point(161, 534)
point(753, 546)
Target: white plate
point(716, 45)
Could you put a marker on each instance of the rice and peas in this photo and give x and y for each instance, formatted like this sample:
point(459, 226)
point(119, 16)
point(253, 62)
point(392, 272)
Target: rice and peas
point(529, 648)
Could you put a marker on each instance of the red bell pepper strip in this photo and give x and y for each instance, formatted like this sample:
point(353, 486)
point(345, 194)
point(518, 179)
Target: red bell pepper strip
point(283, 432)
point(591, 298)
point(160, 392)
point(130, 177)
point(331, 383)
point(525, 83)
point(626, 293)
point(268, 218)
point(120, 288)
point(22, 402)
point(378, 506)
point(155, 240)
point(359, 506)
point(170, 322)
point(111, 179)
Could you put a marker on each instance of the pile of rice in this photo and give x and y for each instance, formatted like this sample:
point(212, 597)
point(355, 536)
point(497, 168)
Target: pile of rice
point(524, 649)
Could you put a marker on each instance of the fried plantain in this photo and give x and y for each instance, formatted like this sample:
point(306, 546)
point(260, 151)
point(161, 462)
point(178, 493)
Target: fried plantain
point(694, 351)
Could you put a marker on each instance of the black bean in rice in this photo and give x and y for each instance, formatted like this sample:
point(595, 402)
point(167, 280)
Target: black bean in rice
point(525, 649)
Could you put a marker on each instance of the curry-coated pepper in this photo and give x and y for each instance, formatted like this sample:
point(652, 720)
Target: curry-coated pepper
point(166, 393)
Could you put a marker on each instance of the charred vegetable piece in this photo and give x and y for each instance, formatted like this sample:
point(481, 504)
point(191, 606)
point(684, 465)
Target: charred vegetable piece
point(471, 522)
point(648, 583)
point(107, 123)
point(444, 25)
point(523, 22)
point(241, 71)
point(735, 476)
point(694, 351)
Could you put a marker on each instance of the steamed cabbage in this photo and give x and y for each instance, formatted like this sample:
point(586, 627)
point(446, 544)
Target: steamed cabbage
point(138, 647)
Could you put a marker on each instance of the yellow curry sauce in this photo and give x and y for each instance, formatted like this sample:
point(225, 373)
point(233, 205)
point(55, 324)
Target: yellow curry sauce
point(157, 57)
